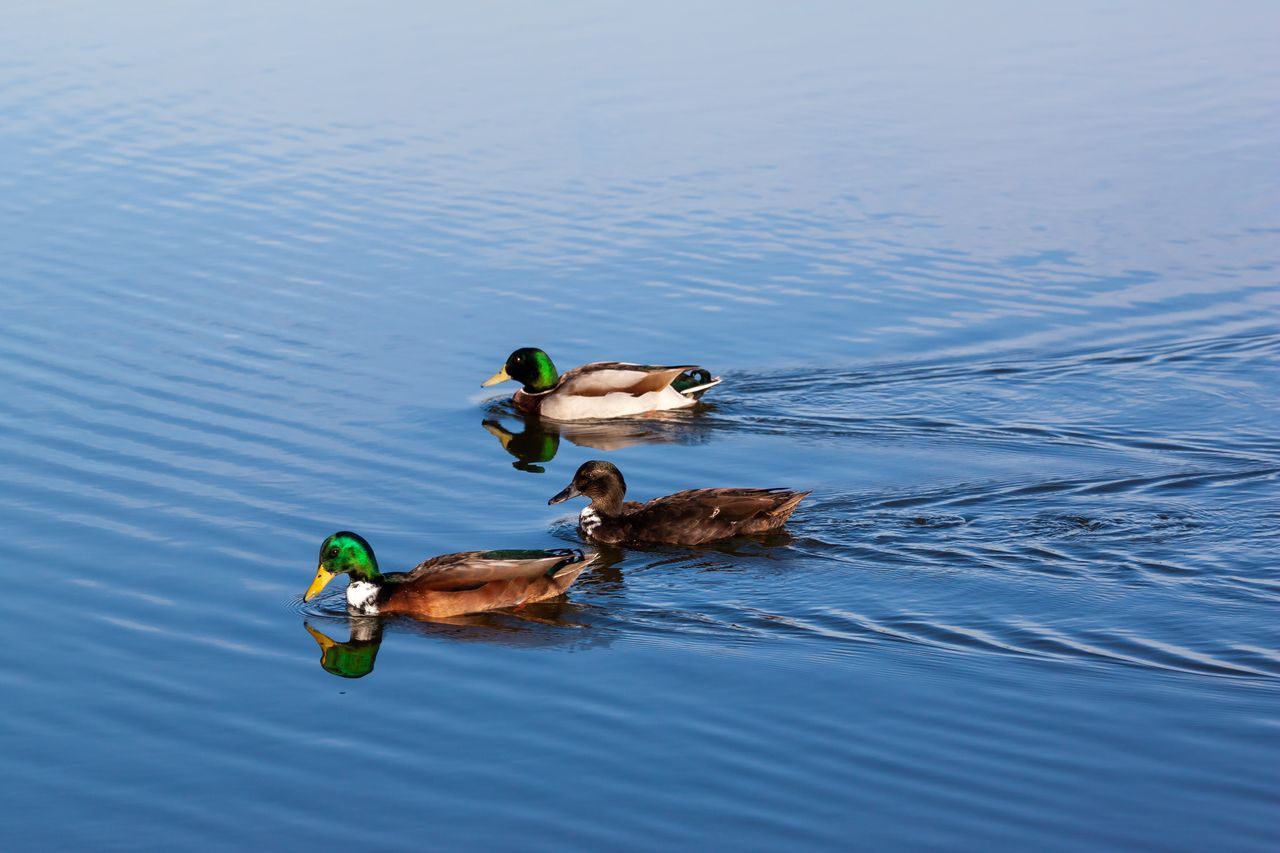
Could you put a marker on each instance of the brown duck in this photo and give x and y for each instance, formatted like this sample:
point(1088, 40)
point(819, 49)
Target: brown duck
point(685, 518)
point(448, 585)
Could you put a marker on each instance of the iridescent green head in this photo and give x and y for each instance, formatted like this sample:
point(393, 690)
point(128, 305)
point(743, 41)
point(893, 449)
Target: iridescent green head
point(529, 366)
point(344, 553)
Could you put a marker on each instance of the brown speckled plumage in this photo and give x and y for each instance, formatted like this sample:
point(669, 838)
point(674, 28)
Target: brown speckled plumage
point(684, 518)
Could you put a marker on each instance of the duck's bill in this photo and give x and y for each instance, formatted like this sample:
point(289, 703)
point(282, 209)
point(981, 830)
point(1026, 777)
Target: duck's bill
point(568, 492)
point(322, 578)
point(500, 376)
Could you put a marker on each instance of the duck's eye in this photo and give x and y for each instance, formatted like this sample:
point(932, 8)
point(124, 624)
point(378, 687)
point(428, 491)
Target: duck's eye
point(333, 552)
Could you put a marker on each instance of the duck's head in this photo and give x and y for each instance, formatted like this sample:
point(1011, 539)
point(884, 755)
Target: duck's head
point(529, 366)
point(344, 553)
point(601, 481)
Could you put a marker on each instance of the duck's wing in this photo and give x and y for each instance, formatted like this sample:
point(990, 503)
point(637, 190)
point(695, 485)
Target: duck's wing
point(705, 515)
point(472, 569)
point(609, 377)
point(729, 504)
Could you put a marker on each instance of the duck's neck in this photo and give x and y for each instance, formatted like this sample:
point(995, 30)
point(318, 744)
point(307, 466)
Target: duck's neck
point(610, 502)
point(362, 596)
point(365, 583)
point(545, 377)
point(362, 566)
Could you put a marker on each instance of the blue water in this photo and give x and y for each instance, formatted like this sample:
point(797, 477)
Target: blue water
point(999, 284)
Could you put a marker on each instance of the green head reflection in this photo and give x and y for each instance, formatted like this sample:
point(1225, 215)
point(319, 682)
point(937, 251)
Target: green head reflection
point(534, 445)
point(354, 658)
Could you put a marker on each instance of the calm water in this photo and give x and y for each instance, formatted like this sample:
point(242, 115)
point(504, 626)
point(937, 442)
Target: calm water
point(1001, 288)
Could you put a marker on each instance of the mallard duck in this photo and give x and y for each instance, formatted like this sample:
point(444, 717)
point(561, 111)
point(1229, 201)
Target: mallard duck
point(603, 389)
point(448, 585)
point(685, 518)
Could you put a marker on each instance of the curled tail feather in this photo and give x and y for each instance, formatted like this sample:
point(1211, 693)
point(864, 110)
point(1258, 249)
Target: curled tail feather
point(694, 382)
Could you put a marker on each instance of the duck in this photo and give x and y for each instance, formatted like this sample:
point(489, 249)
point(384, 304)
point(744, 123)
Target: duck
point(447, 585)
point(685, 518)
point(602, 389)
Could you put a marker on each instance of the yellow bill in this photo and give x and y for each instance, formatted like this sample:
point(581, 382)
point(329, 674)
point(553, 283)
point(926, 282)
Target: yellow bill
point(500, 376)
point(323, 576)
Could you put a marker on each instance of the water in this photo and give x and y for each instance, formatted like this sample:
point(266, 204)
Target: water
point(999, 286)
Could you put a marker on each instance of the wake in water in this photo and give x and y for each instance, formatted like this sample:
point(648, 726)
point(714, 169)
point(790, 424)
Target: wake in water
point(1181, 400)
point(1162, 559)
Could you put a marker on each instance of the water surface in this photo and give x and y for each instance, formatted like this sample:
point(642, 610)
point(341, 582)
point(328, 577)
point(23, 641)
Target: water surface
point(999, 286)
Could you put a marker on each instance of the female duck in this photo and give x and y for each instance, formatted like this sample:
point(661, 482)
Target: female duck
point(602, 389)
point(448, 585)
point(685, 518)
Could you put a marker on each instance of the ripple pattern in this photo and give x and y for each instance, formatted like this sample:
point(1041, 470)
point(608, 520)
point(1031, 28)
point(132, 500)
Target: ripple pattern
point(1000, 288)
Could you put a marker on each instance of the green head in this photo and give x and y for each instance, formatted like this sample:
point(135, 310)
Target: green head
point(529, 366)
point(344, 553)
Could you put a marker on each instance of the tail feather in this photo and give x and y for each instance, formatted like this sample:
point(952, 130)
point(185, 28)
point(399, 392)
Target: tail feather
point(575, 561)
point(694, 382)
point(783, 511)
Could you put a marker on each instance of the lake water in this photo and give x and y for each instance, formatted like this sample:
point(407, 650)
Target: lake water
point(999, 285)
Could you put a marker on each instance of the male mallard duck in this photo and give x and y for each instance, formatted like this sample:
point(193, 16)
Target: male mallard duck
point(685, 518)
point(603, 389)
point(448, 585)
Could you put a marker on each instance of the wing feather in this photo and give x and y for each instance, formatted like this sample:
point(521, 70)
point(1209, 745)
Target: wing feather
point(725, 504)
point(471, 569)
point(608, 377)
point(703, 515)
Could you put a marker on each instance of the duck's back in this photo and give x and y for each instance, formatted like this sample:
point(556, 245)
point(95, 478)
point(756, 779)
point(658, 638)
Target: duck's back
point(703, 515)
point(473, 581)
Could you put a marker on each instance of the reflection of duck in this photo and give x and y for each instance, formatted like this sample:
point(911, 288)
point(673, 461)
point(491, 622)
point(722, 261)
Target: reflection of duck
point(684, 518)
point(531, 446)
point(555, 622)
point(602, 389)
point(539, 441)
point(448, 585)
point(354, 658)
